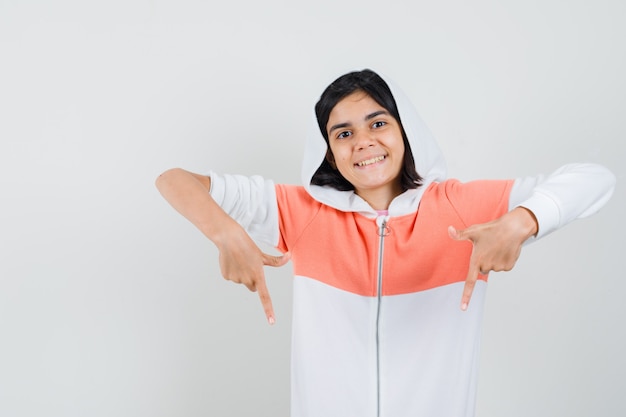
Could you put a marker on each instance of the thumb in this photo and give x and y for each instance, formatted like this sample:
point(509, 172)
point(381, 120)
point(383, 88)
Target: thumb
point(457, 234)
point(276, 261)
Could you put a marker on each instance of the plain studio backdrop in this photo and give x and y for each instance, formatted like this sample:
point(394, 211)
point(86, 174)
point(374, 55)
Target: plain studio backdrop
point(111, 304)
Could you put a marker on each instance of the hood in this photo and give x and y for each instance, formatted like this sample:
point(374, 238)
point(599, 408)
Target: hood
point(429, 162)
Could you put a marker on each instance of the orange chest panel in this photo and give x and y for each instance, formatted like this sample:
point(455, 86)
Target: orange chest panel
point(342, 249)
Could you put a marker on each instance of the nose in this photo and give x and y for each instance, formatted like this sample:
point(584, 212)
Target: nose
point(364, 140)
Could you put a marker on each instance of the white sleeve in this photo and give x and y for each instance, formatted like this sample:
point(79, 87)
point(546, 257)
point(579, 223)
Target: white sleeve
point(250, 201)
point(571, 192)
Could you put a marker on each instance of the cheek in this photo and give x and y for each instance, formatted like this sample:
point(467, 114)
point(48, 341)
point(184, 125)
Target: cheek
point(338, 154)
point(400, 148)
point(343, 164)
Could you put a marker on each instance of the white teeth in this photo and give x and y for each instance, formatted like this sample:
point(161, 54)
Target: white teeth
point(370, 161)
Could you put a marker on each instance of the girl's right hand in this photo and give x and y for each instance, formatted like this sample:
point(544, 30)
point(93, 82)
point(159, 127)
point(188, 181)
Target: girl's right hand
point(242, 262)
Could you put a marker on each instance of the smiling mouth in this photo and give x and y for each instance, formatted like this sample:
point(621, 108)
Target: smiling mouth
point(370, 161)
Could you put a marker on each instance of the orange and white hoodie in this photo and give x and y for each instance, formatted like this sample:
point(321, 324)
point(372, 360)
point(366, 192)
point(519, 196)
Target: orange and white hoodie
point(377, 328)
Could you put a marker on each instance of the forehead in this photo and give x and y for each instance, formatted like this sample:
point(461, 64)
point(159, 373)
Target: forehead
point(356, 105)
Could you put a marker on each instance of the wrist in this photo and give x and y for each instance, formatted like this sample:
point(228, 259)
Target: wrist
point(526, 221)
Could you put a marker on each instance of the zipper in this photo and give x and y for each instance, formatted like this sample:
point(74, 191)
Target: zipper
point(383, 230)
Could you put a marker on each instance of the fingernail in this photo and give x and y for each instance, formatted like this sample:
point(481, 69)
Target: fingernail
point(271, 321)
point(464, 306)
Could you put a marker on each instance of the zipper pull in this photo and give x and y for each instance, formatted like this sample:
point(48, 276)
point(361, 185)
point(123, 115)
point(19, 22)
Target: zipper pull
point(383, 229)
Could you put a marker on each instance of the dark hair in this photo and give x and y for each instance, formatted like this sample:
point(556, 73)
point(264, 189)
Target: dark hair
point(370, 83)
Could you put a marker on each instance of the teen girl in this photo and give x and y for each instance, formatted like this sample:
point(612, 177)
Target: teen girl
point(386, 252)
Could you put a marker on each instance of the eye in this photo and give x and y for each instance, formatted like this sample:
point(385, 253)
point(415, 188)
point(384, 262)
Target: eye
point(344, 134)
point(378, 124)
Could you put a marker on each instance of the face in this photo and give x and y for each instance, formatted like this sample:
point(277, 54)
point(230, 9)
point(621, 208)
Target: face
point(366, 142)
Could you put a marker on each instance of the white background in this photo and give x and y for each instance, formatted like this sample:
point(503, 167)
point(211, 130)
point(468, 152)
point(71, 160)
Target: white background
point(111, 304)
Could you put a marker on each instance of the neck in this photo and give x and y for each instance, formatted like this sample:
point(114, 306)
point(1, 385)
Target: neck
point(379, 199)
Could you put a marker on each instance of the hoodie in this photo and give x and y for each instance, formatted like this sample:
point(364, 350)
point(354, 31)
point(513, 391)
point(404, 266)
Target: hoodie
point(377, 328)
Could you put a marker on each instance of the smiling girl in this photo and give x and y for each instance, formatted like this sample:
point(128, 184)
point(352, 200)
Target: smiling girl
point(378, 330)
point(367, 148)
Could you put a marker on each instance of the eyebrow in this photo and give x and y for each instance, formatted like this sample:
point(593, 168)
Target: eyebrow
point(368, 117)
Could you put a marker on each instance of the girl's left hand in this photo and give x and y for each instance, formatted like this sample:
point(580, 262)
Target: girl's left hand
point(497, 245)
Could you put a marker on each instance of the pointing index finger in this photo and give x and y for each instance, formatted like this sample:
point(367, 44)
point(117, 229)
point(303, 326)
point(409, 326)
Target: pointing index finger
point(470, 282)
point(266, 301)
